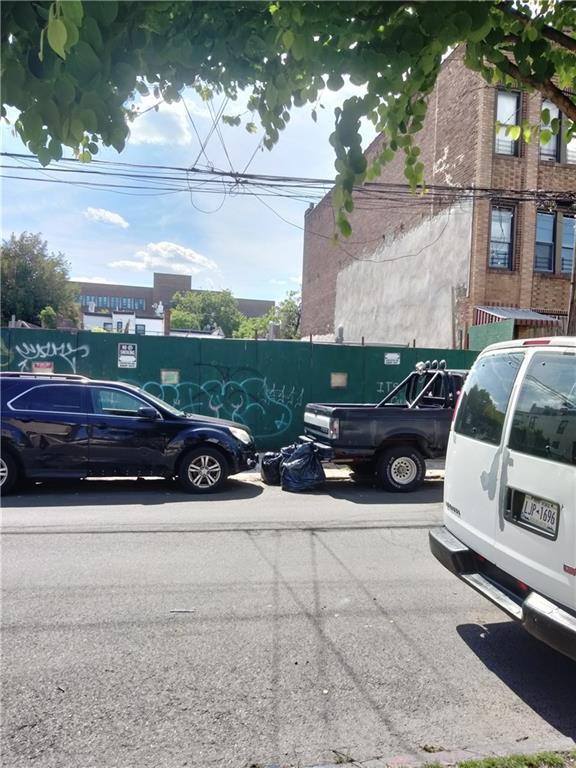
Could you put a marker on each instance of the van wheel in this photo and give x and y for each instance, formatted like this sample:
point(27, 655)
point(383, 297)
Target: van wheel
point(401, 469)
point(8, 474)
point(203, 470)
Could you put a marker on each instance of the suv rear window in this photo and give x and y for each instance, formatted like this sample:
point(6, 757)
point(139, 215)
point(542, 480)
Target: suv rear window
point(485, 396)
point(544, 421)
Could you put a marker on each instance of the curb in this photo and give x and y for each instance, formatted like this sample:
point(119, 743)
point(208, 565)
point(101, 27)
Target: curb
point(448, 757)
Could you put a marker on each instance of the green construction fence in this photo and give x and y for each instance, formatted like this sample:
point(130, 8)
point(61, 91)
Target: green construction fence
point(262, 384)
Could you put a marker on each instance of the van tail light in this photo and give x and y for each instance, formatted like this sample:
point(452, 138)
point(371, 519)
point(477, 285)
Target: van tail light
point(521, 586)
point(535, 342)
point(334, 429)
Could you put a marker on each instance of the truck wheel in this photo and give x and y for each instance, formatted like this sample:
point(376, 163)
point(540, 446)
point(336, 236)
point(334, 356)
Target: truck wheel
point(203, 470)
point(8, 474)
point(401, 469)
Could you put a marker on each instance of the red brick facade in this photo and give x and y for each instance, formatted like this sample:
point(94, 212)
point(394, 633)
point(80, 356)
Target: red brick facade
point(457, 148)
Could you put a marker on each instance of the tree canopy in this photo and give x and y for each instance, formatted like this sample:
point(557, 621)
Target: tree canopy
point(34, 280)
point(206, 311)
point(72, 68)
point(286, 314)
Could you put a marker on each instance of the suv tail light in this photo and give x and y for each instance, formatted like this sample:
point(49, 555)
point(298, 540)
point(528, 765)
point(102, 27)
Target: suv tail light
point(535, 342)
point(334, 429)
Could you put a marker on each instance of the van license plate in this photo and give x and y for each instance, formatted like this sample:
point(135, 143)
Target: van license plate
point(540, 513)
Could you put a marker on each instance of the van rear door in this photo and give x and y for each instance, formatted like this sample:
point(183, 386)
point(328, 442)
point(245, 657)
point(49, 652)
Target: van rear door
point(474, 457)
point(536, 533)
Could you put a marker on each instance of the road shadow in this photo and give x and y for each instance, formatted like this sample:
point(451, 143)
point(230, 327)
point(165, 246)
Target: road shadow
point(365, 491)
point(124, 491)
point(544, 679)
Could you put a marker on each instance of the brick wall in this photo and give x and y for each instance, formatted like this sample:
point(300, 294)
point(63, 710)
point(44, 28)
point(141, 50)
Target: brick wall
point(449, 131)
point(457, 148)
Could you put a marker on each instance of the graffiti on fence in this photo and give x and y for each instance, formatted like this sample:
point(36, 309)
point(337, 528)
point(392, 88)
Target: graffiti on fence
point(384, 387)
point(50, 350)
point(241, 395)
point(6, 354)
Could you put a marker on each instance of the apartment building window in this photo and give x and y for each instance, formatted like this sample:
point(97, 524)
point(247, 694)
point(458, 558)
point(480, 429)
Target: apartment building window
point(107, 326)
point(557, 149)
point(139, 304)
point(501, 237)
point(119, 326)
point(140, 329)
point(507, 113)
point(555, 242)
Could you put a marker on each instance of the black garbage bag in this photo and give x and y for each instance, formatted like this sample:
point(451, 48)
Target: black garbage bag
point(288, 450)
point(302, 471)
point(270, 468)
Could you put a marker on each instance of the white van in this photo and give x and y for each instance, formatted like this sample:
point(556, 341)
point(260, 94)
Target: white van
point(510, 487)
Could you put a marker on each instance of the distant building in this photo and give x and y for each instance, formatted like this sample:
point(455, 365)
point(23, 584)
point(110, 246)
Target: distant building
point(435, 269)
point(140, 309)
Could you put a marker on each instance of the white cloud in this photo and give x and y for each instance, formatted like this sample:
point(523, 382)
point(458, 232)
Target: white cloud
point(273, 281)
point(297, 280)
point(169, 257)
point(92, 280)
point(107, 217)
point(169, 125)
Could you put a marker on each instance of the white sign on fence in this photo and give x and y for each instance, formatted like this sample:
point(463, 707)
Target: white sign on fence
point(127, 355)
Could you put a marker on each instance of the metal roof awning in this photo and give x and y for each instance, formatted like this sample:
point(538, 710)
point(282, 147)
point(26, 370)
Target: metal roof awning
point(484, 315)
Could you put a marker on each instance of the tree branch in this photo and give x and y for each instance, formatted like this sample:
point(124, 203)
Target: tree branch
point(561, 39)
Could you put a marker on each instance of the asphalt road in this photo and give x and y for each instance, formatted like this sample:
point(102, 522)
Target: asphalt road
point(144, 627)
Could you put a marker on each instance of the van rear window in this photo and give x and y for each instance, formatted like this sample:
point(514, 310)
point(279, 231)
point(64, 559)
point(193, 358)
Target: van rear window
point(486, 395)
point(544, 421)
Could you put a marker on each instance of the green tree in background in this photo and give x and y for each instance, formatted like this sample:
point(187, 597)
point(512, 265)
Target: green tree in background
point(33, 280)
point(48, 318)
point(206, 311)
point(286, 314)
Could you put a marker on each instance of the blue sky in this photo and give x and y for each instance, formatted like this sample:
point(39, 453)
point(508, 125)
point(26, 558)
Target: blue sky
point(230, 242)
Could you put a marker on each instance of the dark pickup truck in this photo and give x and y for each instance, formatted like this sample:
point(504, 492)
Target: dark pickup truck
point(393, 438)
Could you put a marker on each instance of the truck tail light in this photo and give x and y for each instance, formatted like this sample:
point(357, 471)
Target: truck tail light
point(334, 429)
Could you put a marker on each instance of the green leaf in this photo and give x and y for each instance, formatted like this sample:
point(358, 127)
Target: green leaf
point(72, 11)
point(76, 129)
point(298, 48)
point(57, 36)
point(344, 226)
point(514, 131)
point(545, 136)
point(72, 34)
point(55, 149)
point(251, 127)
point(288, 39)
point(545, 116)
point(335, 82)
point(314, 115)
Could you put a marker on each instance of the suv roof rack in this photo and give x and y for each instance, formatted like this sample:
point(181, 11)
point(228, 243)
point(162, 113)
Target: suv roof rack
point(31, 375)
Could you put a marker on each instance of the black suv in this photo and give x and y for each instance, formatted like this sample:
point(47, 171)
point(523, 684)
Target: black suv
point(60, 426)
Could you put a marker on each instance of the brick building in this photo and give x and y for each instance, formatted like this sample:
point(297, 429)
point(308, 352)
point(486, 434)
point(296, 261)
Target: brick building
point(144, 305)
point(429, 270)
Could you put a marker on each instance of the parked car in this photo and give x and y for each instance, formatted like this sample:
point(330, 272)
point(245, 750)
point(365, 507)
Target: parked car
point(510, 489)
point(60, 426)
point(393, 438)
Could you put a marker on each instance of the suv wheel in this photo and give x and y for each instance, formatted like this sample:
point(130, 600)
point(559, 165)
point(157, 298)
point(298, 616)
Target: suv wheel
point(401, 469)
point(203, 470)
point(8, 474)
